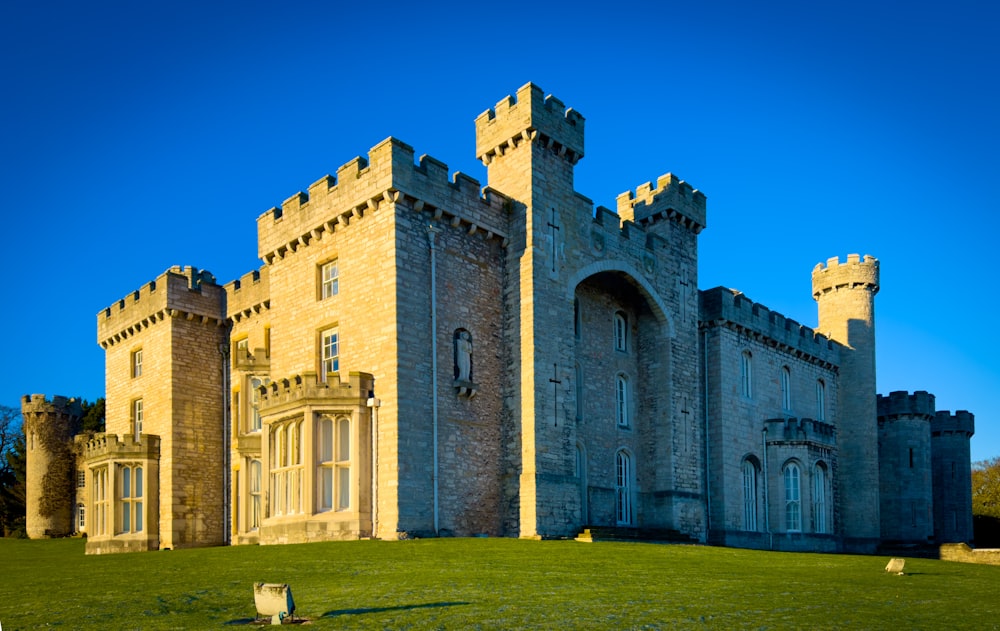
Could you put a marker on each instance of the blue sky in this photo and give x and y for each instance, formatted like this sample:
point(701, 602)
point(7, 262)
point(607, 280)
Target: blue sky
point(137, 136)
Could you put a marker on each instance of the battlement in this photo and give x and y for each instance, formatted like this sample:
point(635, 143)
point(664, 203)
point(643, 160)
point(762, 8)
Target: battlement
point(731, 307)
point(289, 392)
point(59, 406)
point(854, 273)
point(101, 446)
point(249, 294)
point(901, 404)
point(180, 291)
point(961, 422)
point(362, 186)
point(790, 430)
point(671, 199)
point(612, 226)
point(533, 117)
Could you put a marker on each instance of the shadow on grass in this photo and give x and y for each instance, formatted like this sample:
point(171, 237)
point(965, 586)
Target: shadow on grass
point(350, 612)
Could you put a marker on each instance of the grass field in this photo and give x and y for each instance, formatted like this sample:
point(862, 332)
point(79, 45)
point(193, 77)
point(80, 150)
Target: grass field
point(489, 584)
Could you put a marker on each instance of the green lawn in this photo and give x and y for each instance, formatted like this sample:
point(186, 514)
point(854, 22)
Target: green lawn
point(489, 584)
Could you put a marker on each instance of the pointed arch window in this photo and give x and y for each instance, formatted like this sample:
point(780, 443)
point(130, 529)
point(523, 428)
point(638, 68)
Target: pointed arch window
point(749, 496)
point(820, 400)
point(746, 374)
point(786, 389)
point(793, 498)
point(621, 332)
point(622, 400)
point(623, 488)
point(819, 498)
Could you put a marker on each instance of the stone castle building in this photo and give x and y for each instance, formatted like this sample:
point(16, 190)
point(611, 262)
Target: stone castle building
point(422, 356)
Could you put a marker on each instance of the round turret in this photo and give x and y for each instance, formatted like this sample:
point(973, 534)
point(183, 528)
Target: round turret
point(906, 496)
point(952, 465)
point(48, 432)
point(845, 294)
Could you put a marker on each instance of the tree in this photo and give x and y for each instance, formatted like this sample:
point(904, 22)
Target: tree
point(92, 420)
point(986, 502)
point(12, 472)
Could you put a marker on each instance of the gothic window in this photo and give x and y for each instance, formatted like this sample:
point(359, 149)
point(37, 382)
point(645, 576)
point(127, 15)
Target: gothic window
point(622, 401)
point(749, 496)
point(334, 464)
point(131, 499)
point(786, 389)
point(578, 370)
point(330, 352)
point(329, 279)
point(819, 498)
point(623, 488)
point(286, 468)
point(137, 419)
point(746, 374)
point(577, 324)
point(820, 400)
point(255, 494)
point(137, 363)
point(621, 332)
point(793, 499)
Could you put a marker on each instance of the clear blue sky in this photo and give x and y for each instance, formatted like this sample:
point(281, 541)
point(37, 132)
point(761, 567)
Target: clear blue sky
point(140, 135)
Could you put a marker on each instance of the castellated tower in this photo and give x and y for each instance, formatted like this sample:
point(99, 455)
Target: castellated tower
point(952, 470)
point(906, 496)
point(845, 293)
point(48, 431)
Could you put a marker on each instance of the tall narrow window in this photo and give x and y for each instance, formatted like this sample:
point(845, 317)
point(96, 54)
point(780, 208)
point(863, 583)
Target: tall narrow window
point(329, 279)
point(137, 419)
point(621, 400)
point(820, 400)
point(621, 332)
point(576, 318)
point(746, 374)
point(786, 389)
point(81, 518)
point(623, 488)
point(819, 498)
point(255, 423)
point(137, 363)
point(793, 506)
point(255, 494)
point(101, 501)
point(343, 464)
point(131, 499)
point(330, 352)
point(579, 391)
point(749, 496)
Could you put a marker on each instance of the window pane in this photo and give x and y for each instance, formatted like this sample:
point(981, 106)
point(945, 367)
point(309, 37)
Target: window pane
point(326, 440)
point(126, 482)
point(138, 516)
point(138, 481)
point(326, 488)
point(343, 440)
point(343, 488)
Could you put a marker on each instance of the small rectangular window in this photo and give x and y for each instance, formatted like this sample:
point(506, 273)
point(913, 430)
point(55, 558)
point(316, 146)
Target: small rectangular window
point(81, 479)
point(329, 279)
point(137, 363)
point(137, 419)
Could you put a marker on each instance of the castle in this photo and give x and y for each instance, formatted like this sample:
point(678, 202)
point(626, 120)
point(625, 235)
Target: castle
point(423, 356)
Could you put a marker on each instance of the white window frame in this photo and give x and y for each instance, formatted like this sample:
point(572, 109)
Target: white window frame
point(329, 340)
point(746, 374)
point(621, 331)
point(137, 418)
point(624, 514)
point(254, 423)
point(333, 463)
point(329, 274)
point(819, 498)
point(793, 497)
point(131, 484)
point(749, 496)
point(286, 468)
point(622, 400)
point(101, 504)
point(137, 363)
point(256, 470)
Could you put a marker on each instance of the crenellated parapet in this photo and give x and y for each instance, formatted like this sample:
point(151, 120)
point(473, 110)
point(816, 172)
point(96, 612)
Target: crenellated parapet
point(800, 430)
point(60, 408)
point(727, 307)
point(180, 292)
point(364, 186)
point(608, 225)
point(99, 447)
point(961, 422)
point(532, 117)
point(856, 273)
point(249, 294)
point(903, 405)
point(672, 199)
point(307, 389)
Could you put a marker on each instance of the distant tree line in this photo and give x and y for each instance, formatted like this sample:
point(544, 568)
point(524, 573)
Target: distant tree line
point(13, 462)
point(986, 503)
